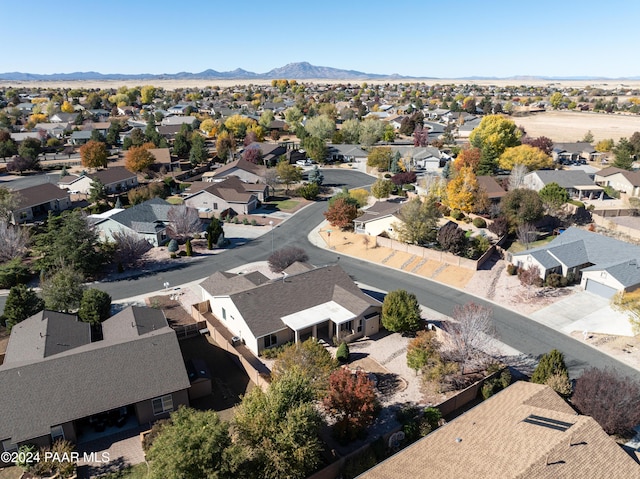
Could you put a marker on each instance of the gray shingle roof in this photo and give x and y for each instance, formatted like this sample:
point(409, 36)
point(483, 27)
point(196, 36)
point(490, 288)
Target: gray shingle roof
point(90, 379)
point(146, 217)
point(380, 209)
point(564, 178)
point(111, 175)
point(571, 255)
point(39, 194)
point(223, 284)
point(264, 305)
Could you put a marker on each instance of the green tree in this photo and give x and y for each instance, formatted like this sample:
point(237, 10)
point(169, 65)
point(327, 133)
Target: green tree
point(553, 196)
point(423, 351)
point(181, 145)
point(550, 364)
point(30, 148)
point(521, 206)
point(214, 231)
point(320, 127)
point(371, 131)
point(293, 116)
point(309, 191)
point(192, 445)
point(7, 148)
point(266, 118)
point(147, 94)
point(95, 306)
point(624, 154)
point(288, 173)
point(198, 153)
point(22, 303)
point(316, 148)
point(316, 176)
point(63, 290)
point(556, 100)
point(97, 191)
point(418, 221)
point(278, 430)
point(69, 239)
point(225, 145)
point(311, 359)
point(382, 188)
point(401, 311)
point(351, 131)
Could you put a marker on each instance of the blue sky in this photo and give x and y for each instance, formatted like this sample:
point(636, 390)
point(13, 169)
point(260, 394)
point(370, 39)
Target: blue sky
point(428, 38)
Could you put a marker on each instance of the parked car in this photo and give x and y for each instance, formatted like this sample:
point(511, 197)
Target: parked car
point(306, 162)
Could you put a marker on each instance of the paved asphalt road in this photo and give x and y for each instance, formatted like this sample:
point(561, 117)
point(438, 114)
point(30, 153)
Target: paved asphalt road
point(512, 328)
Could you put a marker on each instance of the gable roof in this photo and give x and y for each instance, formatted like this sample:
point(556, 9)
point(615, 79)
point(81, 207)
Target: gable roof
point(162, 155)
point(564, 178)
point(525, 431)
point(146, 217)
point(39, 194)
point(632, 177)
point(380, 209)
point(90, 379)
point(574, 147)
point(46, 334)
point(263, 306)
point(111, 175)
point(231, 189)
point(240, 164)
point(491, 187)
point(224, 284)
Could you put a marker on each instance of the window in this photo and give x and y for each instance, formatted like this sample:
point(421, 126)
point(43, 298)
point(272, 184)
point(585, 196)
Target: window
point(359, 328)
point(270, 340)
point(8, 446)
point(215, 206)
point(348, 326)
point(162, 404)
point(57, 433)
point(224, 313)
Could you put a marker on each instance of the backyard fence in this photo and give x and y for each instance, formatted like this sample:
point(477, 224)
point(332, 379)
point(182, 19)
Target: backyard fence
point(185, 331)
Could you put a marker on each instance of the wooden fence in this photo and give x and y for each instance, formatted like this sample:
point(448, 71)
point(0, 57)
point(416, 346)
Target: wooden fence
point(185, 331)
point(257, 371)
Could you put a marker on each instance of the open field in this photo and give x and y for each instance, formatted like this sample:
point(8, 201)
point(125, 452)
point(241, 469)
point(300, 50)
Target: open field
point(572, 125)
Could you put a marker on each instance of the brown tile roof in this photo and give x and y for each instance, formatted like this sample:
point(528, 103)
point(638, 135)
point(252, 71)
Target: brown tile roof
point(632, 176)
point(39, 194)
point(523, 432)
point(491, 187)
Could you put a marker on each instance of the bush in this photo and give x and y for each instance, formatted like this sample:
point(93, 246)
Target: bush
point(408, 187)
point(457, 214)
point(254, 223)
point(555, 280)
point(189, 250)
point(550, 364)
point(479, 222)
point(12, 273)
point(577, 203)
point(173, 246)
point(512, 269)
point(173, 256)
point(342, 353)
point(309, 191)
point(285, 257)
point(273, 353)
point(245, 221)
point(388, 175)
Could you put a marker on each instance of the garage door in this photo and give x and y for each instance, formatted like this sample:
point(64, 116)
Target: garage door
point(600, 289)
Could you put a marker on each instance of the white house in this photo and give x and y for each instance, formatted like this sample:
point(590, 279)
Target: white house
point(317, 302)
point(215, 197)
point(379, 218)
point(114, 179)
point(620, 180)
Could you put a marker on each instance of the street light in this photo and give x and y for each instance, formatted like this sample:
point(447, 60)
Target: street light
point(271, 224)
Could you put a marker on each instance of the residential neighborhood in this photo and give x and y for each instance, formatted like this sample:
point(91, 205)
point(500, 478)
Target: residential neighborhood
point(370, 267)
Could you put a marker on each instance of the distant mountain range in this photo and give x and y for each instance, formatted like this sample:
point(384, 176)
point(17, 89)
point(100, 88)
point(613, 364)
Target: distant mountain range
point(297, 71)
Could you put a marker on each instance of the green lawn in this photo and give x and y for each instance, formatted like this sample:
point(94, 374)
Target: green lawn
point(284, 205)
point(139, 471)
point(175, 200)
point(516, 246)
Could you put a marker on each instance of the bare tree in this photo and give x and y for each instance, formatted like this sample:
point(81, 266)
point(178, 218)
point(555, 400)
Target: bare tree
point(129, 247)
point(469, 335)
point(527, 234)
point(530, 278)
point(184, 222)
point(271, 179)
point(285, 257)
point(14, 241)
point(9, 200)
point(516, 178)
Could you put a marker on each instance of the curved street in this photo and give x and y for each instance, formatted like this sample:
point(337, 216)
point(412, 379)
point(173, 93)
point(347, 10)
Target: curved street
point(515, 330)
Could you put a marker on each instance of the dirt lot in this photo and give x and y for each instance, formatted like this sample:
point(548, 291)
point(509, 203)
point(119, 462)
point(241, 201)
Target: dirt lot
point(567, 126)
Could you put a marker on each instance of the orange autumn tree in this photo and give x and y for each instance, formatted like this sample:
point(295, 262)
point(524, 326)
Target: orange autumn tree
point(468, 157)
point(93, 154)
point(462, 190)
point(139, 158)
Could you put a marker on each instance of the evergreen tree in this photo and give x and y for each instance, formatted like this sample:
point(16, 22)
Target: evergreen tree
point(22, 303)
point(316, 176)
point(550, 364)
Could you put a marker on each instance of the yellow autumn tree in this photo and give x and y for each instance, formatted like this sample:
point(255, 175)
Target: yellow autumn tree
point(530, 156)
point(67, 107)
point(462, 190)
point(147, 94)
point(238, 125)
point(138, 158)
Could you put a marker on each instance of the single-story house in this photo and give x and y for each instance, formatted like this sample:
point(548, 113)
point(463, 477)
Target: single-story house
point(148, 220)
point(58, 383)
point(271, 152)
point(427, 157)
point(214, 197)
point(62, 117)
point(243, 169)
point(346, 153)
point(35, 202)
point(378, 218)
point(627, 182)
point(101, 126)
point(318, 302)
point(55, 130)
point(169, 131)
point(565, 153)
point(178, 120)
point(604, 265)
point(577, 183)
point(491, 188)
point(80, 137)
point(114, 179)
point(21, 136)
point(525, 431)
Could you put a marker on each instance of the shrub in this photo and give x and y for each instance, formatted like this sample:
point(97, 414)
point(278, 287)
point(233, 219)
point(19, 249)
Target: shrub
point(550, 364)
point(173, 256)
point(285, 257)
point(273, 353)
point(555, 280)
point(388, 175)
point(182, 253)
point(189, 250)
point(457, 215)
point(444, 210)
point(479, 222)
point(173, 246)
point(512, 269)
point(245, 221)
point(309, 191)
point(560, 383)
point(342, 353)
point(409, 187)
point(254, 222)
point(12, 273)
point(577, 203)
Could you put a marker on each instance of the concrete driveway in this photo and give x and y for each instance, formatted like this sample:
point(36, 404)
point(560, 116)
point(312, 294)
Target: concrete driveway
point(584, 311)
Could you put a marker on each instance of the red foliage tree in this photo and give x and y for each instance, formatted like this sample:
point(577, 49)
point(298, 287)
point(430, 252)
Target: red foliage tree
point(542, 143)
point(404, 178)
point(468, 157)
point(341, 214)
point(252, 155)
point(610, 398)
point(352, 402)
point(421, 136)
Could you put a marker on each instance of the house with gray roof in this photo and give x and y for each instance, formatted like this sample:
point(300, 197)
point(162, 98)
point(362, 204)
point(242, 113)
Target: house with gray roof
point(577, 183)
point(320, 302)
point(56, 382)
point(605, 266)
point(568, 152)
point(148, 220)
point(243, 169)
point(346, 153)
point(230, 193)
point(115, 179)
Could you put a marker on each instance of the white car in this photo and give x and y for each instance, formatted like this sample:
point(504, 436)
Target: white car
point(306, 162)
